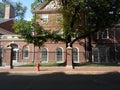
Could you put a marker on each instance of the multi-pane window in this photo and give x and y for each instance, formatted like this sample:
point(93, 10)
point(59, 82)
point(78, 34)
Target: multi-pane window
point(44, 18)
point(44, 55)
point(100, 54)
point(59, 54)
point(75, 55)
point(25, 52)
point(103, 35)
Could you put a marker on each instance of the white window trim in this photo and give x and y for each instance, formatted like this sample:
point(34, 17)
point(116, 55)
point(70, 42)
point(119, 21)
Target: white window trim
point(41, 56)
point(98, 34)
point(62, 55)
point(78, 61)
point(28, 52)
point(107, 35)
point(44, 16)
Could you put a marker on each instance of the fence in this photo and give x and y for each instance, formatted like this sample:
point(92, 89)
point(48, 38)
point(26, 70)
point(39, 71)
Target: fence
point(99, 55)
point(105, 55)
point(43, 57)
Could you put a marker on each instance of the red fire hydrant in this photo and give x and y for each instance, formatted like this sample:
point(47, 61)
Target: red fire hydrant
point(38, 66)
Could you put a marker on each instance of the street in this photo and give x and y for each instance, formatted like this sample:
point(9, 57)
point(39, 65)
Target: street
point(59, 81)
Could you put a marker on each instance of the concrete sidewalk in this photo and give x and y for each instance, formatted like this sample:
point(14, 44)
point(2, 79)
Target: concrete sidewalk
point(45, 70)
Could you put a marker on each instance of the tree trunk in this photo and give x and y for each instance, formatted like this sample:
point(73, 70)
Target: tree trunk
point(89, 49)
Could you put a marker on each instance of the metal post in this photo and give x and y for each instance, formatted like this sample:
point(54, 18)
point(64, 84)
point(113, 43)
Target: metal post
point(115, 45)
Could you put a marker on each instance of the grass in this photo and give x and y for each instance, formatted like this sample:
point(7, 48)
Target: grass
point(97, 64)
point(76, 64)
point(43, 64)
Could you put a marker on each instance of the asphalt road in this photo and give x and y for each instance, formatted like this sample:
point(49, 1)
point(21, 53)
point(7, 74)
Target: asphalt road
point(59, 81)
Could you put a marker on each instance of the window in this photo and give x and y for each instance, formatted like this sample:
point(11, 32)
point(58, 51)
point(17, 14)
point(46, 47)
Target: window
point(44, 18)
point(75, 55)
point(25, 52)
point(103, 35)
point(44, 55)
point(100, 54)
point(59, 54)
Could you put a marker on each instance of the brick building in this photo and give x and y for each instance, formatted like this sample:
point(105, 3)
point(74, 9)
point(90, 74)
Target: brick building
point(105, 50)
point(105, 46)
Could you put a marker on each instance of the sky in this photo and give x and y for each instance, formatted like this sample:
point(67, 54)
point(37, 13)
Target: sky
point(27, 3)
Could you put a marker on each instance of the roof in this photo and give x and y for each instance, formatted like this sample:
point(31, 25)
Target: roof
point(2, 20)
point(42, 7)
point(6, 25)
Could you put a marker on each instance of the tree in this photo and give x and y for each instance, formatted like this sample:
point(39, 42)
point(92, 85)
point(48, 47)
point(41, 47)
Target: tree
point(2, 7)
point(83, 18)
point(88, 17)
point(33, 33)
point(1, 10)
point(18, 7)
point(36, 3)
point(19, 10)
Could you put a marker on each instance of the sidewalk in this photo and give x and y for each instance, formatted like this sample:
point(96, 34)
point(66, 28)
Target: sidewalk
point(46, 70)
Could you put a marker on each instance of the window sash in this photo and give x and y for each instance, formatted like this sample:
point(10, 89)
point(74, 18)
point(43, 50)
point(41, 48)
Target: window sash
point(75, 55)
point(25, 52)
point(59, 54)
point(44, 55)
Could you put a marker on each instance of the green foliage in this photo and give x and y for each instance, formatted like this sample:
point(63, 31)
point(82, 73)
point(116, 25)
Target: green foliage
point(36, 3)
point(18, 7)
point(81, 18)
point(2, 10)
point(19, 10)
point(86, 17)
point(33, 33)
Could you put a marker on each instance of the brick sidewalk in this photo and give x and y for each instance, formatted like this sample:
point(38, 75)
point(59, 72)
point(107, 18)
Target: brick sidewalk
point(77, 70)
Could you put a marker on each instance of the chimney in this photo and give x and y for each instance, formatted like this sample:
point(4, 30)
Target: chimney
point(9, 11)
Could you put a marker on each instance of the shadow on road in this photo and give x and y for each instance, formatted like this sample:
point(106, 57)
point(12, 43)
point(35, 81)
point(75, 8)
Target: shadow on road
point(60, 81)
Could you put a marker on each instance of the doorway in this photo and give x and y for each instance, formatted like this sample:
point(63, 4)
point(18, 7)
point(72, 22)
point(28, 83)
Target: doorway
point(15, 53)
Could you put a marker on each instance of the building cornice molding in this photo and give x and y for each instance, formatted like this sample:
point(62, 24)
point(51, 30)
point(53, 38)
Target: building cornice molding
point(46, 11)
point(3, 31)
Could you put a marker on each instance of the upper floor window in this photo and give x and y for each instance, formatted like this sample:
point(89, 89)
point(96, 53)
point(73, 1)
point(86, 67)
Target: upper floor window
point(103, 35)
point(25, 52)
point(44, 18)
